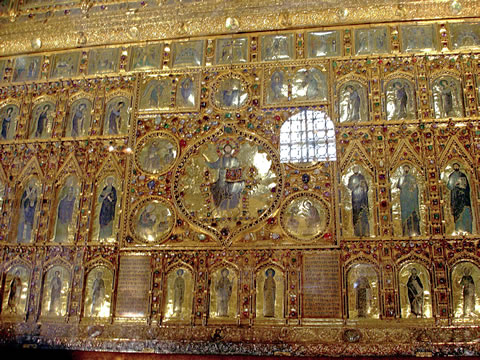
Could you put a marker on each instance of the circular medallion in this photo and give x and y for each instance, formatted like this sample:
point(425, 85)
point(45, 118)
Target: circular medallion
point(230, 92)
point(152, 220)
point(304, 217)
point(228, 183)
point(156, 153)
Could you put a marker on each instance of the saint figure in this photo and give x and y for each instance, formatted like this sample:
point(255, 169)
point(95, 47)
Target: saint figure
point(78, 120)
point(276, 84)
point(156, 95)
point(446, 99)
point(460, 200)
point(362, 287)
point(115, 119)
point(227, 190)
point(65, 214)
point(42, 121)
point(146, 222)
point(353, 104)
point(15, 292)
point(409, 203)
point(186, 91)
point(269, 292)
point(98, 293)
point(468, 287)
point(108, 199)
point(415, 293)
point(178, 292)
point(55, 293)
point(6, 123)
point(28, 207)
point(224, 290)
point(401, 100)
point(359, 188)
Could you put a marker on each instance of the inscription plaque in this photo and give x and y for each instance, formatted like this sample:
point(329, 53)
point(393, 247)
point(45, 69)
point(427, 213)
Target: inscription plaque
point(321, 285)
point(133, 286)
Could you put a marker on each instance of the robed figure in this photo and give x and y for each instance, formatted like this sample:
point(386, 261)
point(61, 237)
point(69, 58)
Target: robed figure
point(362, 287)
point(353, 104)
point(15, 292)
point(227, 190)
point(78, 120)
point(401, 99)
point(269, 292)
point(468, 292)
point(446, 99)
point(42, 121)
point(359, 188)
point(460, 199)
point(224, 287)
point(409, 203)
point(108, 201)
point(178, 292)
point(6, 123)
point(115, 119)
point(55, 293)
point(28, 207)
point(65, 215)
point(98, 293)
point(415, 293)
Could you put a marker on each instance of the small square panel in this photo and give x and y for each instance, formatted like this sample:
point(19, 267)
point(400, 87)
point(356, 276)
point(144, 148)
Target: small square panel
point(277, 47)
point(103, 61)
point(27, 68)
point(146, 57)
point(64, 65)
point(465, 35)
point(232, 51)
point(189, 53)
point(323, 43)
point(418, 38)
point(372, 41)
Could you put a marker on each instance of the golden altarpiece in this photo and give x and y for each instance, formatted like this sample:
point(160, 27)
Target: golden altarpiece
point(241, 177)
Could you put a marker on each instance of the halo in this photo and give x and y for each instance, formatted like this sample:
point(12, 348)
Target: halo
point(227, 141)
point(269, 269)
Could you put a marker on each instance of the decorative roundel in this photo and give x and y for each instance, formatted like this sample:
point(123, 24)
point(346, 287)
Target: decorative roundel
point(156, 153)
point(230, 92)
point(152, 220)
point(304, 217)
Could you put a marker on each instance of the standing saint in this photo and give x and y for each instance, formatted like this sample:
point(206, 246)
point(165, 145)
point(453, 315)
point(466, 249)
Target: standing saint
point(64, 215)
point(178, 292)
point(115, 119)
point(42, 121)
point(276, 84)
point(156, 95)
point(269, 292)
point(28, 207)
point(353, 104)
point(78, 120)
point(468, 287)
point(227, 190)
point(224, 289)
point(446, 99)
point(415, 293)
point(401, 100)
point(6, 123)
point(362, 286)
point(108, 199)
point(186, 92)
point(460, 200)
point(98, 293)
point(359, 188)
point(55, 293)
point(15, 292)
point(409, 203)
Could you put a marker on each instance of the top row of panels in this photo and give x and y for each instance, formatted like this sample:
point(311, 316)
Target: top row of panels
point(243, 49)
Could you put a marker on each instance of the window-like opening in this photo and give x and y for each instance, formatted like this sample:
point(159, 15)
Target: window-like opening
point(308, 136)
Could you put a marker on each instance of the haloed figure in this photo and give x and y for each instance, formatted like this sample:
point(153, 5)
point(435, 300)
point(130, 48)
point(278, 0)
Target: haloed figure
point(28, 206)
point(115, 119)
point(42, 121)
point(468, 292)
point(409, 203)
point(269, 292)
point(65, 215)
point(98, 293)
point(359, 188)
point(224, 287)
point(460, 200)
point(178, 292)
point(401, 99)
point(55, 293)
point(362, 287)
point(108, 200)
point(78, 120)
point(15, 292)
point(415, 293)
point(6, 123)
point(353, 104)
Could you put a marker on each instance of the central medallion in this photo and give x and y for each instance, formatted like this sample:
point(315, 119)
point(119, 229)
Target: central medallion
point(228, 183)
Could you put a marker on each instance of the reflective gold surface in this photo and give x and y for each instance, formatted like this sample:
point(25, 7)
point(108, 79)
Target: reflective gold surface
point(421, 298)
point(363, 292)
point(55, 292)
point(17, 282)
point(178, 298)
point(98, 294)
